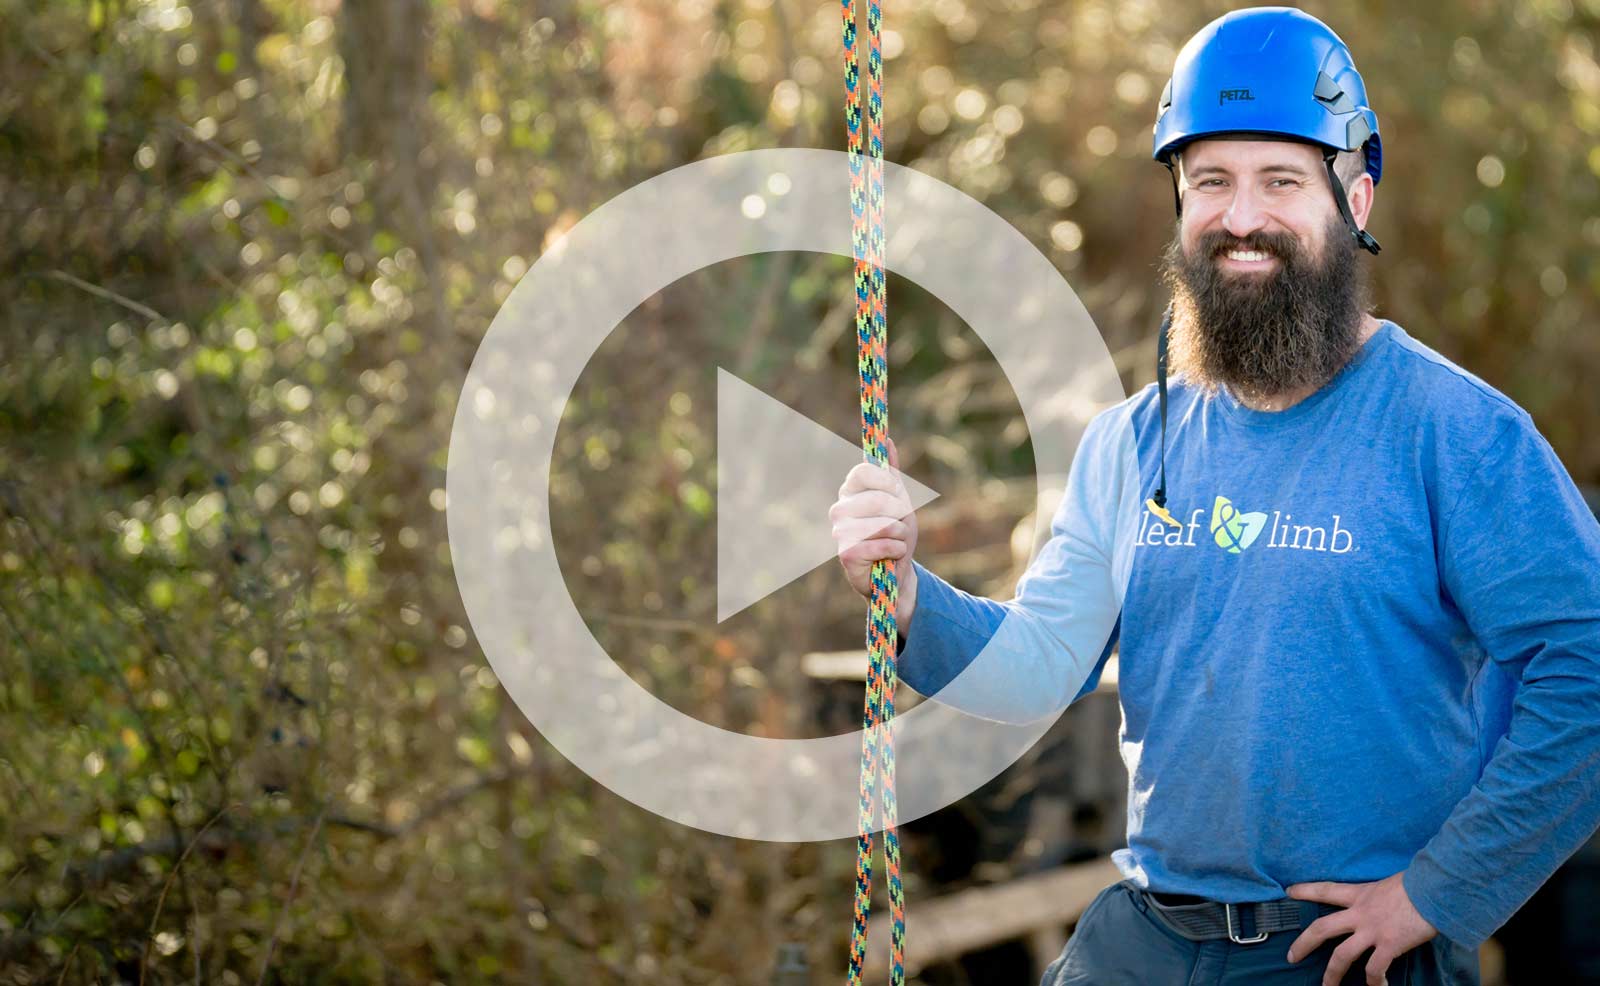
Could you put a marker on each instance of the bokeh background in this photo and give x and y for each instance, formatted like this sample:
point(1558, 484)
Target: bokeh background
point(248, 249)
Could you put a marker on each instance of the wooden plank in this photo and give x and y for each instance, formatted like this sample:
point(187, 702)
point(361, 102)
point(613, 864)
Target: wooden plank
point(835, 665)
point(950, 926)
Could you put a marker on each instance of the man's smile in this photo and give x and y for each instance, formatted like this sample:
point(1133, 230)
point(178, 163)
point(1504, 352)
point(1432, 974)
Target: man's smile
point(1246, 260)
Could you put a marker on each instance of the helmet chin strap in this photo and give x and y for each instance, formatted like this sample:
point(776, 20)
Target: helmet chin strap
point(1157, 503)
point(1363, 238)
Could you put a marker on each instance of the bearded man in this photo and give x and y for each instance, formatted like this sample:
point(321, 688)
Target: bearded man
point(1359, 614)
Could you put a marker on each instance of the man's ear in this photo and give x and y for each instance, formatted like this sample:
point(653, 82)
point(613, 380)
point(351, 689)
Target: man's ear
point(1361, 193)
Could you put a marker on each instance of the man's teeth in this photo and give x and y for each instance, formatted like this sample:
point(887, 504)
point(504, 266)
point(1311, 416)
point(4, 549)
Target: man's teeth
point(1248, 255)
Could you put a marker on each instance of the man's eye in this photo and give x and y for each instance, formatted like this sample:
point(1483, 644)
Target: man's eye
point(1211, 183)
point(1285, 183)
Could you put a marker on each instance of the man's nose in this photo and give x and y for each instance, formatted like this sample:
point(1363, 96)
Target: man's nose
point(1244, 214)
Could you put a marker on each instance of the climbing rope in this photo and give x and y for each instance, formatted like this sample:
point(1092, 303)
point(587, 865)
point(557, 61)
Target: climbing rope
point(867, 245)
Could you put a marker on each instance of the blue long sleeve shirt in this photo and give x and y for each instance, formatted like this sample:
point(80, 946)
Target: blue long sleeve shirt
point(1371, 645)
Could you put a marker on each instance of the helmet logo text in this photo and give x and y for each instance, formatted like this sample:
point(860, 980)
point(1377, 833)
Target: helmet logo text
point(1229, 95)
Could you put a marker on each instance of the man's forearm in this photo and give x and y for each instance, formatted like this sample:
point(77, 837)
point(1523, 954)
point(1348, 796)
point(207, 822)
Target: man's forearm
point(1028, 658)
point(1036, 654)
point(1537, 802)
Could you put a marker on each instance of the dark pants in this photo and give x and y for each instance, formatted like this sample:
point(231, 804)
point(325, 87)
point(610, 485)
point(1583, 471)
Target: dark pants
point(1123, 940)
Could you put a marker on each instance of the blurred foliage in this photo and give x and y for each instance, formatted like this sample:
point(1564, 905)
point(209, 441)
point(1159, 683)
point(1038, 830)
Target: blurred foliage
point(249, 248)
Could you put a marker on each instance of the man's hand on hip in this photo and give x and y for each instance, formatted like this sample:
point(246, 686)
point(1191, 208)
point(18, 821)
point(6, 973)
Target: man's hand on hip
point(1377, 916)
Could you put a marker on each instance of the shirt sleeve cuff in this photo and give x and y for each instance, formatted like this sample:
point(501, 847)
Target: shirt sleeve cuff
point(1428, 889)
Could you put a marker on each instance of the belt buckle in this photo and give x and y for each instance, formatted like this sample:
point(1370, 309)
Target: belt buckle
point(1233, 936)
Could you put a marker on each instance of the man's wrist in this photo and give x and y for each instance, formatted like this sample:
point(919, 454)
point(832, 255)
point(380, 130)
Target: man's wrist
point(906, 604)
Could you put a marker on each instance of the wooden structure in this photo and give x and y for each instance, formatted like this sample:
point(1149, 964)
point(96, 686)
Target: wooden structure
point(1039, 908)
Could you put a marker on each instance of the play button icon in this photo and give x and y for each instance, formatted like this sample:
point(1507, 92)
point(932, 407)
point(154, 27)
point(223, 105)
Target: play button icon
point(778, 472)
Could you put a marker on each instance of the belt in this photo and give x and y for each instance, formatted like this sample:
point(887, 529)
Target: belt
point(1198, 919)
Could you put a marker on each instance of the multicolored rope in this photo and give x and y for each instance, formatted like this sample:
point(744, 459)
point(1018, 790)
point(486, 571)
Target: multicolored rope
point(867, 245)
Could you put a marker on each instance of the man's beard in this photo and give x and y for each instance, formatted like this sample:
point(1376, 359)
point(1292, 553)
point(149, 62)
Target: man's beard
point(1265, 333)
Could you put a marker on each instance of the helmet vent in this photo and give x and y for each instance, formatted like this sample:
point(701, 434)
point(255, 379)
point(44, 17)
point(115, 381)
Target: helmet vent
point(1329, 93)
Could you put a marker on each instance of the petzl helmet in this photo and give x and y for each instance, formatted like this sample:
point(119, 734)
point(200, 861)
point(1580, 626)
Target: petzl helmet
point(1279, 73)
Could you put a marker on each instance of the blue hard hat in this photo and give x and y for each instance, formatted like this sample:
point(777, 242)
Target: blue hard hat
point(1273, 71)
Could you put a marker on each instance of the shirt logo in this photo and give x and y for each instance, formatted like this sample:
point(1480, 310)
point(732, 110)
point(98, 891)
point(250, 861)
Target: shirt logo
point(1234, 530)
point(1232, 95)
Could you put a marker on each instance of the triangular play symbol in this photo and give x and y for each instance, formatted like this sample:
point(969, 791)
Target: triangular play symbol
point(778, 472)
